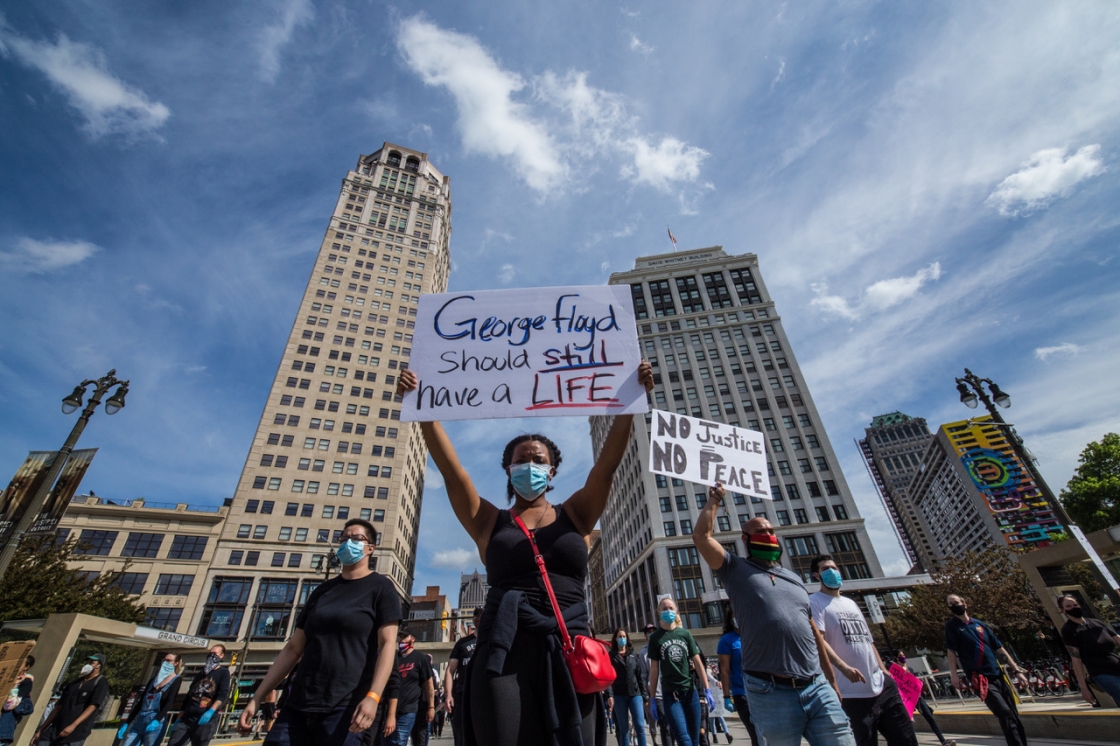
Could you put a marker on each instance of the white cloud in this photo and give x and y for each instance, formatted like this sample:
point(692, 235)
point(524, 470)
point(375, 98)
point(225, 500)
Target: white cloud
point(490, 121)
point(29, 256)
point(780, 76)
point(1048, 174)
point(275, 37)
point(1065, 348)
point(545, 122)
point(671, 160)
point(637, 45)
point(80, 71)
point(877, 297)
point(454, 559)
point(506, 273)
point(605, 267)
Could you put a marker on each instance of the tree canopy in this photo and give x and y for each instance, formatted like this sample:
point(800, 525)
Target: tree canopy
point(996, 590)
point(1092, 496)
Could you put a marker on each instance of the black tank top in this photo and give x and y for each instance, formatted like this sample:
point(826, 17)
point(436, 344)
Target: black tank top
point(510, 564)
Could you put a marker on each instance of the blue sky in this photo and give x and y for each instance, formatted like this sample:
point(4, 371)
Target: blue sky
point(927, 187)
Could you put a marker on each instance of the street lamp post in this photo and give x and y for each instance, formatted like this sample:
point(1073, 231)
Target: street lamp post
point(69, 405)
point(972, 391)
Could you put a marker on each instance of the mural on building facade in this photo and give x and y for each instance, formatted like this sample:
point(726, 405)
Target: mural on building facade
point(1021, 511)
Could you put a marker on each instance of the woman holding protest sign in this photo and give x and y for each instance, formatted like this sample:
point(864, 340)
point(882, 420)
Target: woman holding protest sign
point(519, 692)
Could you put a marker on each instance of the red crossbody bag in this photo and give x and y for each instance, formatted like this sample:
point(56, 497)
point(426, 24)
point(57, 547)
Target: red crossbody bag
point(588, 659)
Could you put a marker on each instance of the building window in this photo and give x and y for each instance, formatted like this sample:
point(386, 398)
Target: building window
point(244, 530)
point(260, 532)
point(235, 556)
point(662, 298)
point(822, 514)
point(225, 608)
point(188, 547)
point(97, 543)
point(252, 505)
point(640, 310)
point(800, 515)
point(142, 545)
point(718, 294)
point(131, 583)
point(783, 518)
point(163, 618)
point(689, 293)
point(801, 550)
point(174, 585)
point(670, 528)
point(830, 487)
point(841, 512)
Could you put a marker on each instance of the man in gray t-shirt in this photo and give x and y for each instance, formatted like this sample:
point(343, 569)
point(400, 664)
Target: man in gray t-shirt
point(783, 651)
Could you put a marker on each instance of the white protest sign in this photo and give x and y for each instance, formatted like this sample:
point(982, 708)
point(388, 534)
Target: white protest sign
point(707, 452)
point(526, 352)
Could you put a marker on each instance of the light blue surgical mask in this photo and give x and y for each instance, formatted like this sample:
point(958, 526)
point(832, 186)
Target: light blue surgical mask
point(831, 578)
point(351, 552)
point(165, 670)
point(668, 616)
point(622, 642)
point(530, 480)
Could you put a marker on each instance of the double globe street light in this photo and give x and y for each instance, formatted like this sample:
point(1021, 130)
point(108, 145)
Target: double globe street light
point(70, 405)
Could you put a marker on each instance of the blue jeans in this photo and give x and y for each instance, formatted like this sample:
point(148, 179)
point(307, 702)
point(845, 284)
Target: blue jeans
point(399, 737)
point(684, 716)
point(1110, 682)
point(624, 708)
point(138, 734)
point(782, 714)
point(295, 728)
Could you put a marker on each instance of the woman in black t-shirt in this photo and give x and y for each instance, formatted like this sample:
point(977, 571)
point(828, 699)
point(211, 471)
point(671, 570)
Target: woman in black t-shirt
point(345, 642)
point(519, 692)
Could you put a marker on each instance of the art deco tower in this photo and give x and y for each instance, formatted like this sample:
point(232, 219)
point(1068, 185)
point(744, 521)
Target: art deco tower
point(330, 445)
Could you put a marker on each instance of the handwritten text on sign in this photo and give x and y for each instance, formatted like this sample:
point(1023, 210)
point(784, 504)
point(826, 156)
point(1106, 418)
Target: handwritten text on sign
point(909, 687)
point(707, 452)
point(526, 352)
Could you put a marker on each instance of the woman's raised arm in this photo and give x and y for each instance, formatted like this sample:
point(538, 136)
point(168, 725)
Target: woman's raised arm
point(476, 515)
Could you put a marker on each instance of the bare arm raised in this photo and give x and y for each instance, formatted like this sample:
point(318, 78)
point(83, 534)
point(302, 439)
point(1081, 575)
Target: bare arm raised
point(588, 503)
point(710, 549)
point(476, 515)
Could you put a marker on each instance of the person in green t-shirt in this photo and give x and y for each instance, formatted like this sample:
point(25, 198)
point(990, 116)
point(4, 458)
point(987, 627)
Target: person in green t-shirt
point(672, 650)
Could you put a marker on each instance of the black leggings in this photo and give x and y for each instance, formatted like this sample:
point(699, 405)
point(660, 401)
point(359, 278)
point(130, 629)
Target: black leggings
point(506, 710)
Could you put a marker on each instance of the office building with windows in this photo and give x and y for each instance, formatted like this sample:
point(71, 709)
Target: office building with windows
point(892, 449)
point(159, 551)
point(714, 336)
point(330, 445)
point(472, 590)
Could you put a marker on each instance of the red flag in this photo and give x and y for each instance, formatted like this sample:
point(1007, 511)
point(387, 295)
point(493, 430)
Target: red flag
point(672, 237)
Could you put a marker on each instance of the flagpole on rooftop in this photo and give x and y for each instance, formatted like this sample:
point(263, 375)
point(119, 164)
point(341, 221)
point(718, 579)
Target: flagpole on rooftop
point(672, 237)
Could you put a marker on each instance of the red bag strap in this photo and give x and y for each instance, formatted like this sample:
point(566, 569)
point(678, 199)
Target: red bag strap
point(564, 636)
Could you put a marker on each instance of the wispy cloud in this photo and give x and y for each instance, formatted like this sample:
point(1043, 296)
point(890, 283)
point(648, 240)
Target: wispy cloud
point(780, 75)
point(29, 256)
point(80, 71)
point(275, 36)
point(454, 559)
point(541, 122)
point(506, 274)
point(1065, 348)
point(1046, 176)
point(877, 297)
point(637, 45)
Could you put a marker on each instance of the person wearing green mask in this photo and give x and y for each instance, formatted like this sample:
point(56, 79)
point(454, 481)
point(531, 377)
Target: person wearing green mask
point(790, 685)
point(871, 698)
point(628, 692)
point(673, 656)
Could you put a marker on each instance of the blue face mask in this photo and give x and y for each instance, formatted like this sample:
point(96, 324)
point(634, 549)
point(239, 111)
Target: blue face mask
point(165, 670)
point(529, 480)
point(350, 552)
point(831, 578)
point(622, 642)
point(668, 616)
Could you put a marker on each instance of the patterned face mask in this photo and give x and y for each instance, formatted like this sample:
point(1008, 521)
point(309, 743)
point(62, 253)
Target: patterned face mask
point(764, 547)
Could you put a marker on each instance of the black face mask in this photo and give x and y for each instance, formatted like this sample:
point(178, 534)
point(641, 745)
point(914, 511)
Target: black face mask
point(1075, 613)
point(958, 609)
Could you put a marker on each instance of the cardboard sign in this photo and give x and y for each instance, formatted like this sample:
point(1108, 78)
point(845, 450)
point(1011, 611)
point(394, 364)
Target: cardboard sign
point(524, 353)
point(909, 686)
point(707, 452)
point(12, 656)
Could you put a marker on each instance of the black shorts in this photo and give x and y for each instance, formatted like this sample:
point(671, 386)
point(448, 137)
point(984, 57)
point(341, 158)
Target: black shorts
point(268, 710)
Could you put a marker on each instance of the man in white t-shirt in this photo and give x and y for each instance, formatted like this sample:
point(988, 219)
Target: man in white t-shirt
point(870, 696)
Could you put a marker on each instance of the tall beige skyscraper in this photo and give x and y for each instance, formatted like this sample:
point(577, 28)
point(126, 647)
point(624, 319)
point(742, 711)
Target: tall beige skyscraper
point(330, 445)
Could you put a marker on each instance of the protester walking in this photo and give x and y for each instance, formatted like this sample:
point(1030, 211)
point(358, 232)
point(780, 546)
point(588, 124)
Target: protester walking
point(672, 654)
point(787, 676)
point(18, 704)
point(519, 691)
point(924, 708)
point(973, 646)
point(145, 724)
point(456, 676)
point(629, 692)
point(717, 722)
point(206, 697)
point(729, 653)
point(416, 704)
point(1093, 645)
point(344, 642)
point(71, 720)
point(870, 696)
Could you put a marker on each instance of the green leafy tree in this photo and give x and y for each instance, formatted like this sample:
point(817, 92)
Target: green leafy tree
point(1092, 497)
point(997, 591)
